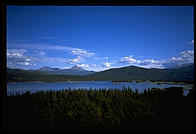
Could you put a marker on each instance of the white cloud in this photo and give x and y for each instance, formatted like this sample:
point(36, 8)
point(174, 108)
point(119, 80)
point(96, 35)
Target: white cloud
point(106, 64)
point(78, 59)
point(160, 66)
point(184, 58)
point(148, 63)
point(71, 50)
point(91, 67)
point(24, 57)
point(174, 59)
point(27, 59)
point(106, 58)
point(151, 61)
point(26, 63)
point(83, 65)
point(16, 53)
point(21, 57)
point(129, 60)
point(81, 52)
point(17, 57)
point(187, 54)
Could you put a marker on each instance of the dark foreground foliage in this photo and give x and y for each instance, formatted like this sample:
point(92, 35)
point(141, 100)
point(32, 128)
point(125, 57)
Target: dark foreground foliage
point(153, 109)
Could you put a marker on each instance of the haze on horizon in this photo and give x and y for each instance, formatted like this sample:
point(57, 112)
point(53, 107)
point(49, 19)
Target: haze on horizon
point(99, 37)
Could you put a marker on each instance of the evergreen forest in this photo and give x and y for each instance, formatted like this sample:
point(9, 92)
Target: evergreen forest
point(97, 110)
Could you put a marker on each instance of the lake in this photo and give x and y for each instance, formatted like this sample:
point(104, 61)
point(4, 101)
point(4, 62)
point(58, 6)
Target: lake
point(22, 87)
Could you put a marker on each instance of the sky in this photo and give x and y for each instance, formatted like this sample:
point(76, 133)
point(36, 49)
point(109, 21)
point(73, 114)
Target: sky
point(99, 37)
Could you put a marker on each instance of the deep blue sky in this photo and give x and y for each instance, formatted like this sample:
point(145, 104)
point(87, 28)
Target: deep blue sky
point(99, 37)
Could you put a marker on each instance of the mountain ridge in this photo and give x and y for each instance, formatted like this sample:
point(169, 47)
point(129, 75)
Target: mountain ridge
point(75, 70)
point(184, 73)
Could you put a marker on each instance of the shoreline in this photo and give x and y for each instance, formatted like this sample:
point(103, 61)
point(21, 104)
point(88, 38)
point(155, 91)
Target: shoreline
point(135, 81)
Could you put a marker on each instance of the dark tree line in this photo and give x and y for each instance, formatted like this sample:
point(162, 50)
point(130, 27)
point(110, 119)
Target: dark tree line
point(102, 109)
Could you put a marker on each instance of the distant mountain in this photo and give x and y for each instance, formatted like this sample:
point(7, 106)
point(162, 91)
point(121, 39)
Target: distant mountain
point(184, 73)
point(130, 73)
point(181, 73)
point(75, 70)
point(46, 68)
point(16, 75)
point(180, 66)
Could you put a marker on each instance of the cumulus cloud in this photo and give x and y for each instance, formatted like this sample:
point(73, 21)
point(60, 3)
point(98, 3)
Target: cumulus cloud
point(96, 68)
point(91, 67)
point(129, 60)
point(83, 65)
point(33, 53)
point(151, 61)
point(75, 60)
point(17, 57)
point(106, 64)
point(184, 58)
point(151, 64)
point(187, 54)
point(147, 63)
point(17, 53)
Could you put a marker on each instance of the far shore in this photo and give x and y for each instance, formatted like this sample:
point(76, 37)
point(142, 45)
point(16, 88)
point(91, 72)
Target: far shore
point(116, 81)
point(158, 82)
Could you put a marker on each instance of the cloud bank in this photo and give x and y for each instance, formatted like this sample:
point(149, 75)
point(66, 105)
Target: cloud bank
point(17, 57)
point(184, 58)
point(32, 54)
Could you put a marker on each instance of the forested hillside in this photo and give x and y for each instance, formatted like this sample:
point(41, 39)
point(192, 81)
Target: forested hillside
point(185, 73)
point(100, 110)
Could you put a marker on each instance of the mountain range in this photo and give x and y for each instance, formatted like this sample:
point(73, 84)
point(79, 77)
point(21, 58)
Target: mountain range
point(75, 70)
point(178, 73)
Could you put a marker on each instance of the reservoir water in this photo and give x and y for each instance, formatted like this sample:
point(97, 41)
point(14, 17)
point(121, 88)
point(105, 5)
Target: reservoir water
point(22, 87)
